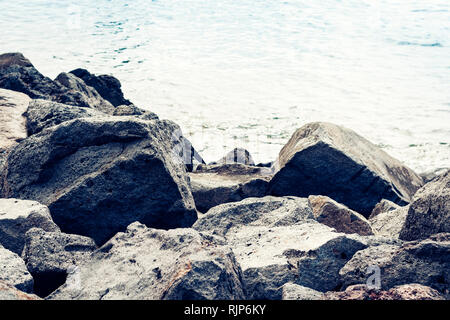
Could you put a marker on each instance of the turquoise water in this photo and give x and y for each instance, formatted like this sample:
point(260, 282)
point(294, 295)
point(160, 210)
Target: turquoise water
point(248, 73)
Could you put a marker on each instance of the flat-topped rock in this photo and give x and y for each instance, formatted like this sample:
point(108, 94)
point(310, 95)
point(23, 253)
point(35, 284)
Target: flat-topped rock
point(292, 291)
point(389, 223)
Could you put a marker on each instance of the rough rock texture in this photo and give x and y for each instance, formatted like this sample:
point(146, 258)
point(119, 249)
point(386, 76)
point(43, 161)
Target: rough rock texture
point(14, 271)
point(9, 292)
point(389, 223)
point(276, 241)
point(292, 291)
point(338, 216)
point(216, 184)
point(426, 262)
point(18, 74)
point(49, 256)
point(132, 110)
point(17, 217)
point(326, 159)
point(42, 114)
point(430, 211)
point(156, 264)
point(412, 291)
point(383, 206)
point(12, 122)
point(237, 155)
point(99, 175)
point(107, 86)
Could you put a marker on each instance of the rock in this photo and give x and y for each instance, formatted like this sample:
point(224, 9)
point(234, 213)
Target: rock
point(430, 211)
point(216, 184)
point(338, 216)
point(14, 272)
point(390, 223)
point(432, 174)
point(404, 292)
point(12, 123)
point(17, 217)
point(107, 86)
point(426, 262)
point(293, 291)
point(132, 110)
point(383, 206)
point(98, 175)
point(326, 159)
point(43, 114)
point(49, 257)
point(9, 292)
point(18, 74)
point(144, 263)
point(237, 155)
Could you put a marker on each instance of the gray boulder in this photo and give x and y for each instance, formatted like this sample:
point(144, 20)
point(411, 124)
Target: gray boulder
point(216, 184)
point(144, 263)
point(237, 155)
point(132, 110)
point(383, 206)
point(338, 216)
point(17, 217)
point(326, 159)
point(9, 292)
point(292, 291)
point(98, 175)
point(12, 122)
point(14, 271)
point(430, 211)
point(50, 256)
point(389, 223)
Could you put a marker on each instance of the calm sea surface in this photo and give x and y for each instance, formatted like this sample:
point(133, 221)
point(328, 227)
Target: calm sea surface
point(248, 73)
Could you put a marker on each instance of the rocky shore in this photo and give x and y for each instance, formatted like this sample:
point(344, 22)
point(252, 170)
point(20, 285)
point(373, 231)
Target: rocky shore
point(100, 199)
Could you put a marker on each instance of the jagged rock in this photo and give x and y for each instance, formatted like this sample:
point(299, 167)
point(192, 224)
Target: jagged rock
point(98, 175)
point(292, 291)
point(383, 206)
point(43, 114)
point(338, 216)
point(432, 174)
point(9, 292)
point(49, 256)
point(14, 271)
point(107, 86)
point(12, 122)
point(216, 184)
point(430, 211)
point(326, 159)
point(390, 223)
point(17, 217)
point(237, 155)
point(18, 74)
point(155, 264)
point(412, 291)
point(426, 262)
point(132, 110)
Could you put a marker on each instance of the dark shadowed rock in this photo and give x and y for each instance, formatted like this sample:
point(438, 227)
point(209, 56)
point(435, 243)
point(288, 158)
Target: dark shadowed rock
point(17, 217)
point(49, 256)
point(326, 159)
point(98, 175)
point(338, 216)
point(14, 271)
point(107, 86)
point(383, 206)
point(9, 292)
point(292, 291)
point(426, 262)
point(389, 223)
point(144, 263)
point(403, 292)
point(12, 122)
point(430, 211)
point(132, 110)
point(237, 155)
point(216, 184)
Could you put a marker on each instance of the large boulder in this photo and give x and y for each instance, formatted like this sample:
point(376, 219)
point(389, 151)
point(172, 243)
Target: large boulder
point(326, 159)
point(430, 211)
point(18, 74)
point(426, 262)
point(144, 263)
point(9, 292)
point(389, 223)
point(216, 184)
point(50, 256)
point(12, 122)
point(98, 175)
point(19, 216)
point(412, 291)
point(338, 216)
point(14, 271)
